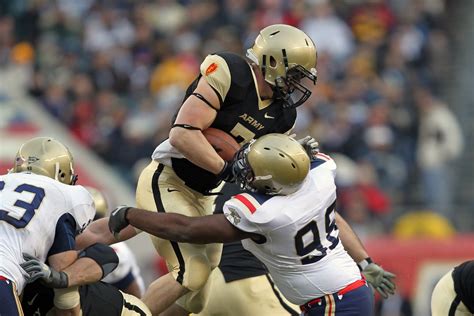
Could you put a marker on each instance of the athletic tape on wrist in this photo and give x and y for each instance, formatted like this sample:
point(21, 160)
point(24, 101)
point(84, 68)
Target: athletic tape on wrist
point(66, 298)
point(364, 263)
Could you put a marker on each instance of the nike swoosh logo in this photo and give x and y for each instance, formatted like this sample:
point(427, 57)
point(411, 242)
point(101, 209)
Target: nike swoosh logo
point(171, 190)
point(30, 302)
point(268, 116)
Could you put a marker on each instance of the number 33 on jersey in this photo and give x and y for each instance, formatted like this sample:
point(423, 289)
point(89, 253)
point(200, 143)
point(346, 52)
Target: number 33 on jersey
point(31, 208)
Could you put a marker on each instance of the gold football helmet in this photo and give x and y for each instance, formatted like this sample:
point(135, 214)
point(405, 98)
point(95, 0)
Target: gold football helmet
point(101, 205)
point(273, 164)
point(285, 55)
point(48, 157)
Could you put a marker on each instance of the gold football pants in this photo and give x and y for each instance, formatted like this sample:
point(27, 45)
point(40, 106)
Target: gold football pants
point(159, 189)
point(443, 298)
point(251, 296)
point(133, 306)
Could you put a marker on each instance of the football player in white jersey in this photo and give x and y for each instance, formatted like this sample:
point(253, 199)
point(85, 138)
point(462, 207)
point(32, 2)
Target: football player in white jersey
point(126, 276)
point(288, 221)
point(41, 212)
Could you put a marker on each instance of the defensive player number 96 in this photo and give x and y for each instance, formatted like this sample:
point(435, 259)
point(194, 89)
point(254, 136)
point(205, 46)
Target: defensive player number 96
point(312, 227)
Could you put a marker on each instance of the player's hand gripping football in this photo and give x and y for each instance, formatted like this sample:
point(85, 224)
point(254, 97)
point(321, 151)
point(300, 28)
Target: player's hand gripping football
point(380, 279)
point(309, 144)
point(118, 220)
point(47, 275)
point(232, 169)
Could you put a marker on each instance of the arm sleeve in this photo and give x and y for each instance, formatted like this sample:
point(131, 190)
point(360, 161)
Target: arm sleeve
point(325, 162)
point(65, 235)
point(83, 208)
point(215, 71)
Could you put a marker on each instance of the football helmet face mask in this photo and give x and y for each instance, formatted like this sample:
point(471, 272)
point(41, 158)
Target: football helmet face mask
point(275, 164)
point(285, 55)
point(48, 157)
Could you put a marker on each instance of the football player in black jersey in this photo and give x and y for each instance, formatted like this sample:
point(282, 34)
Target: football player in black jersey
point(246, 98)
point(454, 292)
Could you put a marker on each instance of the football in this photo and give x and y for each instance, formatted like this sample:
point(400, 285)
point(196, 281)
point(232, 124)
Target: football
point(224, 144)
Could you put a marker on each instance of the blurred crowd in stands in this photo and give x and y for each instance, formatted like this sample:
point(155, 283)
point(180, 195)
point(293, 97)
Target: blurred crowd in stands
point(114, 72)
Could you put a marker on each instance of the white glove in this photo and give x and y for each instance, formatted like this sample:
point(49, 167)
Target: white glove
point(309, 144)
point(39, 270)
point(380, 279)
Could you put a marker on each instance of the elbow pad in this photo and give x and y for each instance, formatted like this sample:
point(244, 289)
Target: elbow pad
point(103, 255)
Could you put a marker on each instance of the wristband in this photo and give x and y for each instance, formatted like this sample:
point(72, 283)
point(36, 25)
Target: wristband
point(364, 263)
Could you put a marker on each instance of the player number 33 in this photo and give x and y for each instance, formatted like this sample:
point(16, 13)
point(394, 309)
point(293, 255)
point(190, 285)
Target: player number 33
point(29, 207)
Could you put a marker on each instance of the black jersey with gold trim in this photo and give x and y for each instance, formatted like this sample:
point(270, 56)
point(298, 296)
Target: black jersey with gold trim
point(242, 113)
point(463, 278)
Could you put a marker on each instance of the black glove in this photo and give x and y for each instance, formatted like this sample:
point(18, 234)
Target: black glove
point(232, 169)
point(227, 173)
point(47, 275)
point(118, 219)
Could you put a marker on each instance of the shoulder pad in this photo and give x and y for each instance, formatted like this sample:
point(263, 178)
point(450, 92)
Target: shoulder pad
point(323, 160)
point(216, 72)
point(241, 210)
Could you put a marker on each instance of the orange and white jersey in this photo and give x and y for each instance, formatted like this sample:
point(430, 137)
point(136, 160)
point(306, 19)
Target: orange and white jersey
point(301, 247)
point(34, 210)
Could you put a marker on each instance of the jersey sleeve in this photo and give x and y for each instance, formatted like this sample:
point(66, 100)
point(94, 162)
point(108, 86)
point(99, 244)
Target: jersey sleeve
point(83, 208)
point(324, 161)
point(65, 235)
point(240, 210)
point(216, 72)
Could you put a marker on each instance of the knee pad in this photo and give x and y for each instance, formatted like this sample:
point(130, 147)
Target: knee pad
point(214, 253)
point(197, 269)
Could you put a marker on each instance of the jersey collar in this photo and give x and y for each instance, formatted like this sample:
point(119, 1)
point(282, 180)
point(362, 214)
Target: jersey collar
point(262, 104)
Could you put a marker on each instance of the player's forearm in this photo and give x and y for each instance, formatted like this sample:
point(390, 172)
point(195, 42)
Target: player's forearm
point(98, 232)
point(350, 241)
point(195, 147)
point(83, 271)
point(175, 227)
point(167, 226)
